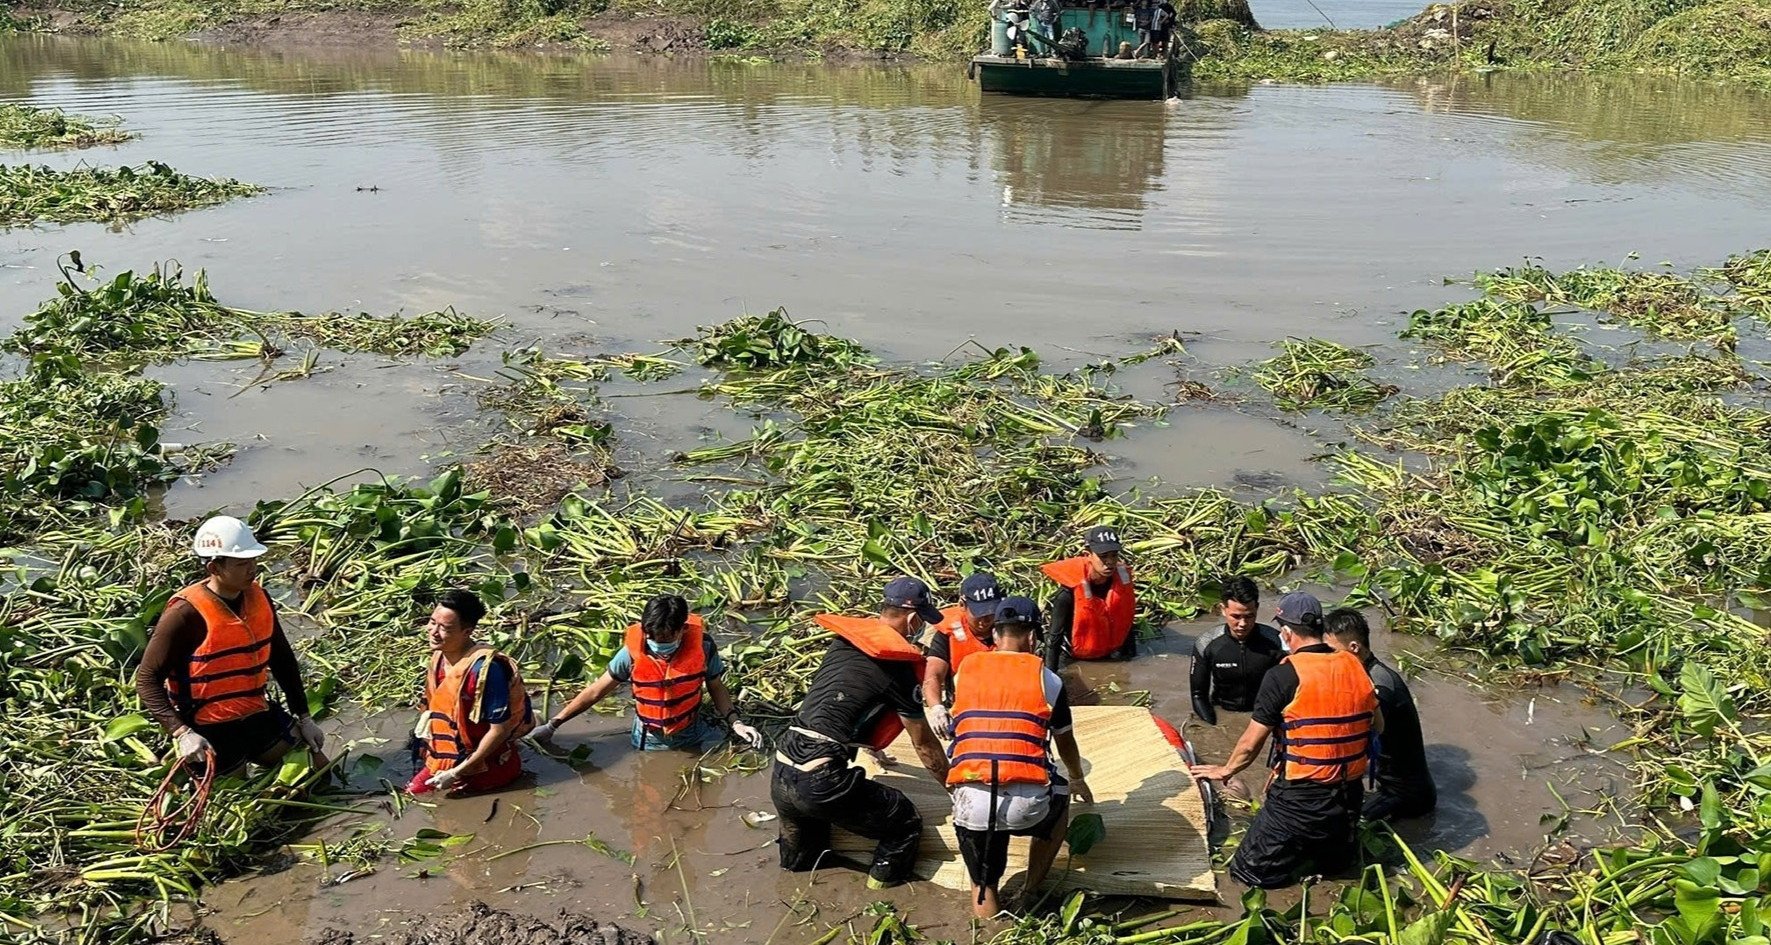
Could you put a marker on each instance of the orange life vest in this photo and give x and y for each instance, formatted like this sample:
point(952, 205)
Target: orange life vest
point(454, 697)
point(962, 638)
point(877, 639)
point(1001, 721)
point(1100, 624)
point(226, 676)
point(1326, 735)
point(667, 690)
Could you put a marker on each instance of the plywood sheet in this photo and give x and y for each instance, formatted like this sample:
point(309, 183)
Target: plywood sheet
point(1157, 826)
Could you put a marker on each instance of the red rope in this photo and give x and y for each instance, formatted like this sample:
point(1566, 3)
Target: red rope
point(159, 829)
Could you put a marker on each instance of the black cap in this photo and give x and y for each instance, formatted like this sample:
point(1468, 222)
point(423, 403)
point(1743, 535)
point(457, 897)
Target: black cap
point(1299, 609)
point(980, 593)
point(1103, 539)
point(1017, 610)
point(911, 594)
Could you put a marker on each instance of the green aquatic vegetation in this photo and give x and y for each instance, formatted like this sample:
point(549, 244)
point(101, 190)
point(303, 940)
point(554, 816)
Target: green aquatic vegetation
point(31, 195)
point(552, 397)
point(160, 316)
point(1750, 275)
point(1514, 338)
point(1657, 302)
point(1317, 374)
point(27, 126)
point(767, 342)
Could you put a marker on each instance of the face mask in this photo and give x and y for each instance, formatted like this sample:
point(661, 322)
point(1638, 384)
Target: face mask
point(662, 649)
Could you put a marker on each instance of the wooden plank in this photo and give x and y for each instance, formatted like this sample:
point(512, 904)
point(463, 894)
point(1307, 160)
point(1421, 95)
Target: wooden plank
point(1157, 827)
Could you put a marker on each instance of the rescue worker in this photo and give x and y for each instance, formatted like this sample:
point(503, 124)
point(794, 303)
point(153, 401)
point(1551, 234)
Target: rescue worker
point(1091, 615)
point(666, 658)
point(1404, 783)
point(476, 708)
point(1323, 709)
point(1230, 661)
point(1008, 711)
point(863, 694)
point(211, 655)
point(964, 629)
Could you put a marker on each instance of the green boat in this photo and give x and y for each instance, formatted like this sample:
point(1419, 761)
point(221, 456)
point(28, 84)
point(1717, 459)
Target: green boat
point(1034, 65)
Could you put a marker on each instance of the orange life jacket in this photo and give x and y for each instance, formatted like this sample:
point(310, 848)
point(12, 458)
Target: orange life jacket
point(667, 690)
point(962, 639)
point(1326, 734)
point(1100, 624)
point(226, 676)
point(1001, 721)
point(454, 698)
point(877, 639)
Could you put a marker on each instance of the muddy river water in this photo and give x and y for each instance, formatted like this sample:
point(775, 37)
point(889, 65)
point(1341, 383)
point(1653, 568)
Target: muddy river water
point(603, 204)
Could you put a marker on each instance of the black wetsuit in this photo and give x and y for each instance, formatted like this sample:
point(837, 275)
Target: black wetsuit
point(1227, 672)
point(1404, 783)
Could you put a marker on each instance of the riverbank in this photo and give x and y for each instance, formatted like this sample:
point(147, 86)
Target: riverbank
point(1705, 39)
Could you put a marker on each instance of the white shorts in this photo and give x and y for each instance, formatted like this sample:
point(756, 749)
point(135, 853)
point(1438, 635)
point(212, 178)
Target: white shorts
point(1018, 806)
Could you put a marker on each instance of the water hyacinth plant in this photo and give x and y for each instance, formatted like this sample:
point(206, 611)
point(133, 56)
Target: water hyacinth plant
point(27, 127)
point(31, 195)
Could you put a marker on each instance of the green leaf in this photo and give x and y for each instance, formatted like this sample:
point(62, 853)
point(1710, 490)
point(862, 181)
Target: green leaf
point(1085, 831)
point(125, 726)
point(1427, 930)
point(1072, 908)
point(1703, 701)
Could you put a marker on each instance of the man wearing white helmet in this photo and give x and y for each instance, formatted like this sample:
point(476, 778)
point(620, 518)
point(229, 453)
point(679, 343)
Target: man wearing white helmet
point(215, 647)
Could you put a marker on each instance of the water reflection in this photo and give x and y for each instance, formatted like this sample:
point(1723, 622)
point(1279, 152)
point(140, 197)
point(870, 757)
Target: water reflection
point(1104, 158)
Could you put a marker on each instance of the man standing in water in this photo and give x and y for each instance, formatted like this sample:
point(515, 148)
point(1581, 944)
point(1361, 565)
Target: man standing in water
point(1405, 785)
point(667, 658)
point(867, 690)
point(964, 629)
point(1091, 615)
point(475, 704)
point(213, 650)
point(1322, 707)
point(1230, 661)
point(1009, 710)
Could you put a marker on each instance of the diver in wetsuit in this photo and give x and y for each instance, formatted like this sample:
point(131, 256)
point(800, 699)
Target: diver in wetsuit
point(1230, 661)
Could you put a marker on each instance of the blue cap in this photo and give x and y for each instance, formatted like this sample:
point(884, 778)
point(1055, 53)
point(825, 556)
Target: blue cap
point(980, 593)
point(911, 594)
point(1017, 610)
point(1299, 609)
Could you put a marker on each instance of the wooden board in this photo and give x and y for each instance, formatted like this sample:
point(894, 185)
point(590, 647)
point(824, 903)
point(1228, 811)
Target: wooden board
point(1156, 843)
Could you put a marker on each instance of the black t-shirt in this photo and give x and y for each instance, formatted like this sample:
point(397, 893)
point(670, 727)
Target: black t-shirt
point(1402, 761)
point(1227, 672)
point(848, 694)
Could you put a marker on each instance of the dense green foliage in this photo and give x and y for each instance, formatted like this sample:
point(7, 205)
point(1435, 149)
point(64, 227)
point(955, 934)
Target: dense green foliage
point(93, 194)
point(27, 126)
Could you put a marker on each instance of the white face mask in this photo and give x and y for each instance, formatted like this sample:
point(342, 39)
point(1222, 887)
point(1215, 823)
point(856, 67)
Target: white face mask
point(1284, 638)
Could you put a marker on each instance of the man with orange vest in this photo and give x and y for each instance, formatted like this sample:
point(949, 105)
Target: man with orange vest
point(1008, 711)
point(1322, 706)
point(667, 658)
point(1091, 615)
point(964, 629)
point(213, 651)
point(865, 692)
point(476, 707)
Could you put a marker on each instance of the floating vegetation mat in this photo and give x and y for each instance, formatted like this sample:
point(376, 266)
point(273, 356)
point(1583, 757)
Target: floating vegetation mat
point(1580, 513)
point(31, 194)
point(1313, 373)
point(27, 126)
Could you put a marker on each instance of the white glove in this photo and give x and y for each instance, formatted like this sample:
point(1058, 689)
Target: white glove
point(190, 745)
point(747, 734)
point(309, 732)
point(421, 731)
point(543, 732)
point(445, 780)
point(940, 720)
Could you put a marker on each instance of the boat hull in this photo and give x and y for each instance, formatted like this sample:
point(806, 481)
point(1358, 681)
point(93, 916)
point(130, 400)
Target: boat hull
point(1090, 78)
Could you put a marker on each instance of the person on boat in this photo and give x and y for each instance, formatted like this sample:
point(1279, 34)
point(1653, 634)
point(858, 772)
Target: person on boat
point(1045, 22)
point(475, 706)
point(865, 692)
point(964, 629)
point(1091, 615)
point(212, 653)
point(1404, 783)
point(1230, 661)
point(1009, 711)
point(1140, 21)
point(1155, 39)
point(668, 658)
point(1322, 708)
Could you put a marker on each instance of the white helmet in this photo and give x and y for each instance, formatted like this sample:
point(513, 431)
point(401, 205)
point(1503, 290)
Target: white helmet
point(226, 537)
